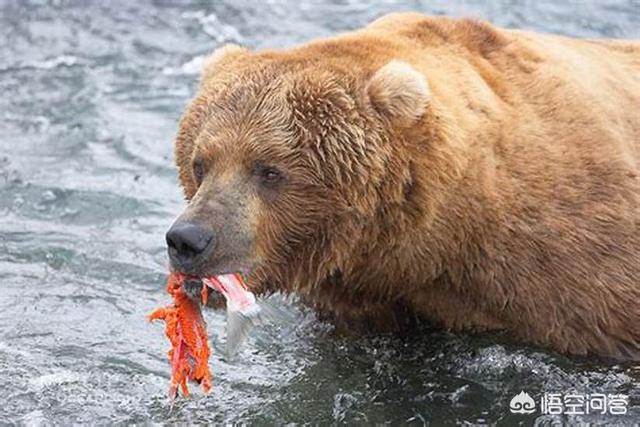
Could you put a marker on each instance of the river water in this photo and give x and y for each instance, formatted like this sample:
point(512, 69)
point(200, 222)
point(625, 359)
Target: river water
point(91, 92)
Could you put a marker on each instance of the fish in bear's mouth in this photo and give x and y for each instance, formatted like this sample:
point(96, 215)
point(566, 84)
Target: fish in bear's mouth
point(219, 283)
point(186, 328)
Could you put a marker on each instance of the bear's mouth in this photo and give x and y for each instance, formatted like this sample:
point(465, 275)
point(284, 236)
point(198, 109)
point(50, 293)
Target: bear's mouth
point(193, 285)
point(208, 267)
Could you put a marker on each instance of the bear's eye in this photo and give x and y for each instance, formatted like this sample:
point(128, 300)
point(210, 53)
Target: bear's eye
point(198, 171)
point(269, 176)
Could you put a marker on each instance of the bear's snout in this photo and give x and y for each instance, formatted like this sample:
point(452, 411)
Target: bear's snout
point(188, 243)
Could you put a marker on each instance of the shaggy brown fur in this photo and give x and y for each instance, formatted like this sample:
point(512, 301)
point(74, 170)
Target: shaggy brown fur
point(481, 178)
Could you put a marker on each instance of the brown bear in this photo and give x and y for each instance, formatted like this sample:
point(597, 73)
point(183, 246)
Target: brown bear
point(425, 168)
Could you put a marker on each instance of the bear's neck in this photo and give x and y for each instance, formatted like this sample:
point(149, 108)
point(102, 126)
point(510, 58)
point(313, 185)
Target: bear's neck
point(451, 209)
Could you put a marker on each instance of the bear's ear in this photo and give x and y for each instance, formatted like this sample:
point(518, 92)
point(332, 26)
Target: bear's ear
point(399, 91)
point(221, 56)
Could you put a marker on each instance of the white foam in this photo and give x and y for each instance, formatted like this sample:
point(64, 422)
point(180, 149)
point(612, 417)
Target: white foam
point(191, 67)
point(59, 61)
point(34, 418)
point(54, 379)
point(214, 27)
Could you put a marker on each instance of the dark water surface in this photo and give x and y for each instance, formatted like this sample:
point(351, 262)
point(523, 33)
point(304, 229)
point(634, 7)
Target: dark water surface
point(90, 96)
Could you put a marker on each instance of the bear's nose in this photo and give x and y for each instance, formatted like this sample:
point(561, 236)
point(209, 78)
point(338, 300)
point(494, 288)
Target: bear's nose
point(186, 241)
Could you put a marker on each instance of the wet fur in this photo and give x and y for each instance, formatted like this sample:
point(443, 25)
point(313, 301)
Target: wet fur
point(510, 200)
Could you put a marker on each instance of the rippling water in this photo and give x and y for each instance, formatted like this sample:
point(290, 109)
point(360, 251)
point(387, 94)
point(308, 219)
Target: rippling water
point(91, 92)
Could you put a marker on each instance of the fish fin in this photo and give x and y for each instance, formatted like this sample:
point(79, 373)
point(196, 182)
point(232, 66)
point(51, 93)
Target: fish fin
point(238, 328)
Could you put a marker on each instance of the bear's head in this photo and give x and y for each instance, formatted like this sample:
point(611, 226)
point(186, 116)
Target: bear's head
point(287, 163)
